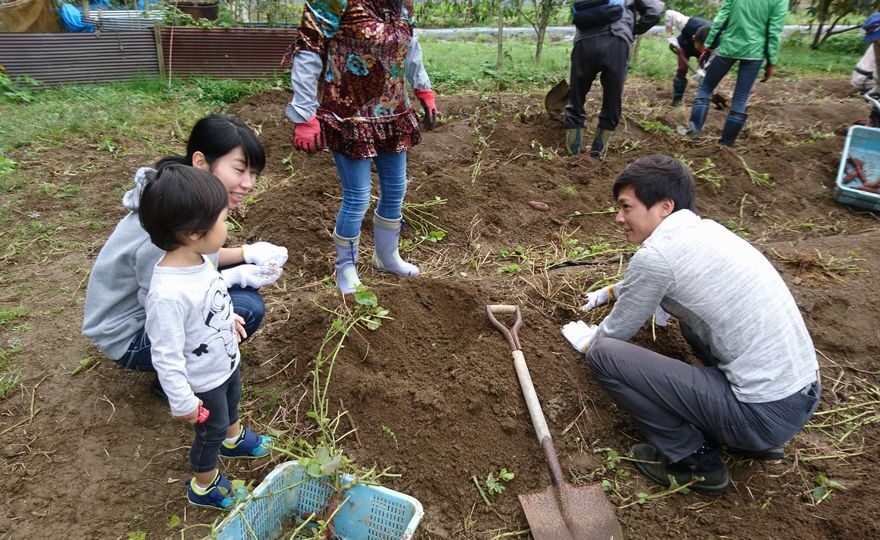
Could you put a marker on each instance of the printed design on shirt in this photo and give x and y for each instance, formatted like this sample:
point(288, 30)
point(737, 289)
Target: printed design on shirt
point(219, 322)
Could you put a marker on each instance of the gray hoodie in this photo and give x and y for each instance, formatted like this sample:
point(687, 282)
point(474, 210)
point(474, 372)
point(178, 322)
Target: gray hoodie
point(120, 279)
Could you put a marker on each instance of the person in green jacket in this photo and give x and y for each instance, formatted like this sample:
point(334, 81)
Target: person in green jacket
point(751, 30)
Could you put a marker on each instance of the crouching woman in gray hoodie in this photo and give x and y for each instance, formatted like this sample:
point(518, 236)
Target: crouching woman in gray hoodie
point(119, 282)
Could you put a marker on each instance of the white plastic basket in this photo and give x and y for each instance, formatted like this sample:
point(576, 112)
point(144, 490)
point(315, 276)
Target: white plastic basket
point(368, 513)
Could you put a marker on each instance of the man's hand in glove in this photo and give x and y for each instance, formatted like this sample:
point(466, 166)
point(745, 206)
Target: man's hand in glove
point(579, 334)
point(768, 72)
point(263, 253)
point(598, 298)
point(427, 98)
point(251, 275)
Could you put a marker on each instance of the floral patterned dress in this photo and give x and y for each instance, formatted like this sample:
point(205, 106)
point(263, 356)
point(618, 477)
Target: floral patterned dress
point(364, 106)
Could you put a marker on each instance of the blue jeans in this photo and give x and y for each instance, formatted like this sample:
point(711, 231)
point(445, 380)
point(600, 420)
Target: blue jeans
point(745, 79)
point(246, 303)
point(355, 178)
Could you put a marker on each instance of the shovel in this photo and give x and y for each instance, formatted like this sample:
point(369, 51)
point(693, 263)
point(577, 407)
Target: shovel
point(557, 98)
point(561, 511)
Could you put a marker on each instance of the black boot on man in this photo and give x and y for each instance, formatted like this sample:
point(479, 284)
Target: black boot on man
point(705, 463)
point(678, 88)
point(600, 141)
point(732, 126)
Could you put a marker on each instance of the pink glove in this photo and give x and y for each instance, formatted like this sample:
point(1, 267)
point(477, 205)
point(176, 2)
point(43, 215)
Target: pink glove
point(307, 136)
point(426, 96)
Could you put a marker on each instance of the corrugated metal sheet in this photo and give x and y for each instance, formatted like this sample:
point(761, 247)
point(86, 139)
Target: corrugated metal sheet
point(119, 20)
point(80, 58)
point(233, 53)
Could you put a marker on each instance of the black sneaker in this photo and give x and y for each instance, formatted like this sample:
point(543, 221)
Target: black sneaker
point(157, 390)
point(705, 462)
point(770, 454)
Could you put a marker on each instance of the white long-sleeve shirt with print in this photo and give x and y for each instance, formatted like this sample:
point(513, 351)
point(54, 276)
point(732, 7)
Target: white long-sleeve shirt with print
point(191, 327)
point(729, 294)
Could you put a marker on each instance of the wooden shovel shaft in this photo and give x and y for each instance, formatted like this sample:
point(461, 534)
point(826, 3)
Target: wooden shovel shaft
point(537, 415)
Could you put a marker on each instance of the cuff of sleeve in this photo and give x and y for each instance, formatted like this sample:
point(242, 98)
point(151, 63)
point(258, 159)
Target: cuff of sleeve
point(182, 407)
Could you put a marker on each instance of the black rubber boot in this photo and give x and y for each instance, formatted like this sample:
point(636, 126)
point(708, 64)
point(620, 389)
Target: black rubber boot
point(732, 126)
point(678, 88)
point(705, 463)
point(573, 141)
point(600, 141)
point(698, 117)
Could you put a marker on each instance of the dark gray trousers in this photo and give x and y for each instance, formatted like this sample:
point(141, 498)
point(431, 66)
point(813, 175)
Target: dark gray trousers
point(608, 57)
point(222, 403)
point(679, 406)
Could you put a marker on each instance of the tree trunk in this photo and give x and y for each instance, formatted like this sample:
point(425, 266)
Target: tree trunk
point(539, 48)
point(469, 16)
point(500, 59)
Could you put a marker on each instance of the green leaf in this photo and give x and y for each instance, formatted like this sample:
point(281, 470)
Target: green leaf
point(136, 535)
point(820, 494)
point(314, 470)
point(174, 521)
point(365, 297)
point(333, 465)
point(373, 324)
point(506, 475)
point(606, 485)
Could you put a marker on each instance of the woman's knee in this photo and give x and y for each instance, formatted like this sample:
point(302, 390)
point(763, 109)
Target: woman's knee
point(248, 304)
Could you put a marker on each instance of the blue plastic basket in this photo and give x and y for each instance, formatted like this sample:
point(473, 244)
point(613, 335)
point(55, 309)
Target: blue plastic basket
point(369, 512)
point(861, 143)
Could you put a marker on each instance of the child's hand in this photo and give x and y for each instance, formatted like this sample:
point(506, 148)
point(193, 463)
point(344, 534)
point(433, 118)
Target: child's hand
point(192, 417)
point(240, 332)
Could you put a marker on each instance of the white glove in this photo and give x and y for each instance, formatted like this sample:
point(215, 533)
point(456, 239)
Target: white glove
point(263, 253)
point(579, 334)
point(251, 275)
point(661, 318)
point(598, 298)
point(673, 42)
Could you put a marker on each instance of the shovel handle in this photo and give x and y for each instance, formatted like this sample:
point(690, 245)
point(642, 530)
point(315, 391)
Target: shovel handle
point(509, 333)
point(537, 415)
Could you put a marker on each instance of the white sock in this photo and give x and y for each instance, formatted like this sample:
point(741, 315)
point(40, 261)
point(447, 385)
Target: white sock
point(230, 441)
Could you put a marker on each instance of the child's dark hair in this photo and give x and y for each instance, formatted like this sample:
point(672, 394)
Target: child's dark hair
point(658, 177)
point(180, 200)
point(702, 33)
point(217, 135)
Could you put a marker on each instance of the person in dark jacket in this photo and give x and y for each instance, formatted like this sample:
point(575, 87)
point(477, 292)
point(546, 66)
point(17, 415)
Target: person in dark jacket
point(602, 48)
point(690, 43)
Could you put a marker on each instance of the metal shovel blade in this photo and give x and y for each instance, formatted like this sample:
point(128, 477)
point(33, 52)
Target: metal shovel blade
point(557, 98)
point(571, 513)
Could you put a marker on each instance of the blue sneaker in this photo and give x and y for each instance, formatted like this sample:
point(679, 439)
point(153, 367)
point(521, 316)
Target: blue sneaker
point(249, 446)
point(218, 495)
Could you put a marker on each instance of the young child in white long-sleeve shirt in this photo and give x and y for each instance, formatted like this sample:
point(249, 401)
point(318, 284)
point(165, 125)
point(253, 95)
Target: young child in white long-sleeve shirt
point(193, 329)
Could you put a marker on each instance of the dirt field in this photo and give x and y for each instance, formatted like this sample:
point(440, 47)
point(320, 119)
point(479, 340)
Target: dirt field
point(432, 392)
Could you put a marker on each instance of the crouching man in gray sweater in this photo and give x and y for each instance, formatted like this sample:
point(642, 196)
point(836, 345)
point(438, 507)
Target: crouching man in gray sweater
point(759, 385)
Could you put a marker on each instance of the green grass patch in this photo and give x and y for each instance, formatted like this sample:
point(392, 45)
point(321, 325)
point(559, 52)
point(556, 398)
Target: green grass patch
point(107, 114)
point(469, 63)
point(11, 314)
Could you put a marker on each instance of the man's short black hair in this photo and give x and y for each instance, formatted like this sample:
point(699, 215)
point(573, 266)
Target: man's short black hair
point(658, 177)
point(178, 201)
point(702, 33)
